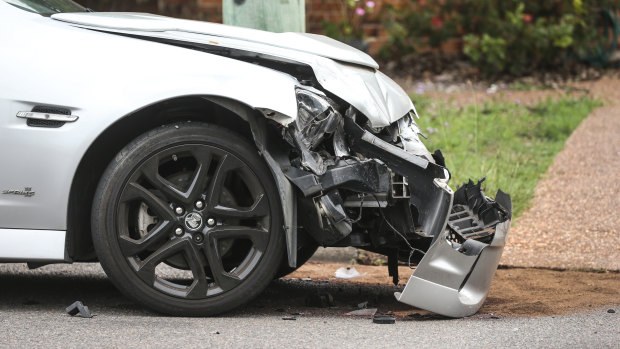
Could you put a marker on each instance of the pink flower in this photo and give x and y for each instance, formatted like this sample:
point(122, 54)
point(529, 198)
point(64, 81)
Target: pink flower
point(360, 11)
point(528, 18)
point(370, 4)
point(436, 22)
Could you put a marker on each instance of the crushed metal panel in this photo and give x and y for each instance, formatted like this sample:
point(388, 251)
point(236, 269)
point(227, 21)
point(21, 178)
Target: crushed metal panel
point(432, 196)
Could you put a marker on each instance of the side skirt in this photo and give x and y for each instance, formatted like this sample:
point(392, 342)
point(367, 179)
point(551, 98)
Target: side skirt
point(24, 245)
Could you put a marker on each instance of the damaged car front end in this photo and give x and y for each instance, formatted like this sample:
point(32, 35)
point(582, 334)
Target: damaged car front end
point(340, 140)
point(378, 188)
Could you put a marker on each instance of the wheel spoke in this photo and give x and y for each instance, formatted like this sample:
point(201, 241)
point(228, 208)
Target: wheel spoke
point(135, 191)
point(199, 287)
point(260, 208)
point(222, 278)
point(150, 170)
point(199, 178)
point(227, 163)
point(258, 236)
point(131, 247)
point(146, 270)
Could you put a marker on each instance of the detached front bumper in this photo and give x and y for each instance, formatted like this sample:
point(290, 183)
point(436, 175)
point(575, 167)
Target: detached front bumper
point(468, 229)
point(454, 277)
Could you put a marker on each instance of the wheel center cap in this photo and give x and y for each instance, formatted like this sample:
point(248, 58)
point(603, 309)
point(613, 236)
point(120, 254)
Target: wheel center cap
point(193, 221)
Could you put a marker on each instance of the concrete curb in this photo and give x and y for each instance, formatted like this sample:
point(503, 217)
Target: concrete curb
point(334, 255)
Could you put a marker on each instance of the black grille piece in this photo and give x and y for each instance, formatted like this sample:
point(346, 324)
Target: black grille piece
point(44, 123)
point(465, 222)
point(473, 215)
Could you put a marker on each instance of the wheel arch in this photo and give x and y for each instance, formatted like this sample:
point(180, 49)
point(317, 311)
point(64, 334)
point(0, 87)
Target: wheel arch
point(109, 142)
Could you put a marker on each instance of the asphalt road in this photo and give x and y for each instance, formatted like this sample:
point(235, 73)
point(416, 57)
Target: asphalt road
point(33, 302)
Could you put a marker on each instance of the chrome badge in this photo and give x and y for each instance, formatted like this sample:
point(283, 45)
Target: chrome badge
point(193, 221)
point(27, 192)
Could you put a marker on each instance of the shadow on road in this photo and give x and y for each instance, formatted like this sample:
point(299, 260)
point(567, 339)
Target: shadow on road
point(53, 288)
point(515, 291)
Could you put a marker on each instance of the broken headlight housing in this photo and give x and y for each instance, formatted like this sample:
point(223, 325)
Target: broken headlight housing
point(317, 119)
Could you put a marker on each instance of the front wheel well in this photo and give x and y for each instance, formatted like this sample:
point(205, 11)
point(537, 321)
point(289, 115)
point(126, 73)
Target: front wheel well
point(96, 159)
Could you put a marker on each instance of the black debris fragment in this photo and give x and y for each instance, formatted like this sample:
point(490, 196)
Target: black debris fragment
point(393, 266)
point(30, 302)
point(289, 318)
point(611, 311)
point(320, 300)
point(431, 316)
point(384, 319)
point(79, 309)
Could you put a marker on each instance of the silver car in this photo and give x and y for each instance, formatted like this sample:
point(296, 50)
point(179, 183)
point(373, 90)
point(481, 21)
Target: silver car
point(198, 161)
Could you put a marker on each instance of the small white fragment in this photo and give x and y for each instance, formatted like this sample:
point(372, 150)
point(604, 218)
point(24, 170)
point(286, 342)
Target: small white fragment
point(347, 273)
point(492, 89)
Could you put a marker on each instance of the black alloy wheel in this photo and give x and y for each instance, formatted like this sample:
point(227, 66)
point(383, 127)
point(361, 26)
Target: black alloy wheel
point(187, 220)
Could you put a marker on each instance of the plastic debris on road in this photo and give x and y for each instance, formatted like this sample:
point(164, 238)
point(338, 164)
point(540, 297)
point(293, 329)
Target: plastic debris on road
point(347, 273)
point(384, 319)
point(79, 309)
point(362, 312)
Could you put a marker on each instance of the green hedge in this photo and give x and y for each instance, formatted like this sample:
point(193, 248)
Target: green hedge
point(506, 36)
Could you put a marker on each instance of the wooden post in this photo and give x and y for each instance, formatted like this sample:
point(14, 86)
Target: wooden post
point(272, 15)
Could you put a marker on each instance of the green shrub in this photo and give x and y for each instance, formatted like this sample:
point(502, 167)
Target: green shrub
point(418, 24)
point(503, 36)
point(519, 43)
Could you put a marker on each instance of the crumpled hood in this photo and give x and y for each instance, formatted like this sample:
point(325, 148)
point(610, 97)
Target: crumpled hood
point(309, 43)
point(341, 69)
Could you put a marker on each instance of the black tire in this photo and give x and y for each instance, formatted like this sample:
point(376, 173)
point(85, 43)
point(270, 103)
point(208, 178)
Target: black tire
point(212, 265)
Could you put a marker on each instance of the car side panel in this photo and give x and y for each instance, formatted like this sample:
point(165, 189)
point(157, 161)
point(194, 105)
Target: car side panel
point(100, 78)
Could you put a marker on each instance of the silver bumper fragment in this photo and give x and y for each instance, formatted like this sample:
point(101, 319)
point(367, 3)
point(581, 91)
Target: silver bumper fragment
point(454, 279)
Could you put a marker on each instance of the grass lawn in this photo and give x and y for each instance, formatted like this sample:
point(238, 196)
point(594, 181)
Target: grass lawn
point(512, 145)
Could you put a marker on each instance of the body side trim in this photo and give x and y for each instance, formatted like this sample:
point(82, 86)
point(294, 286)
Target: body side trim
point(32, 245)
